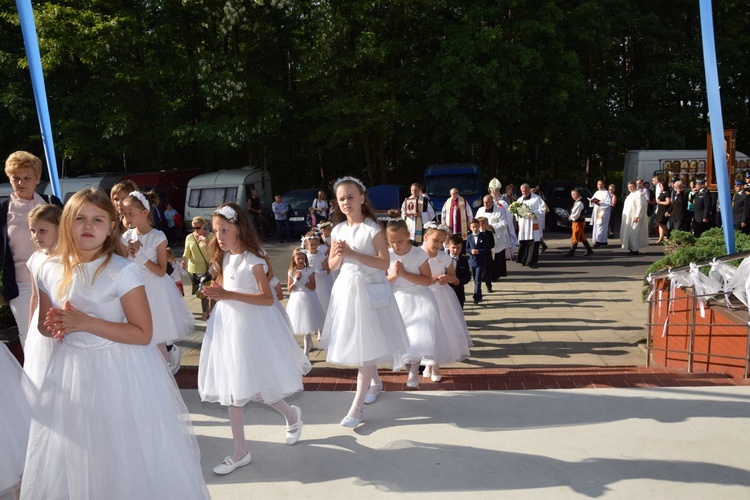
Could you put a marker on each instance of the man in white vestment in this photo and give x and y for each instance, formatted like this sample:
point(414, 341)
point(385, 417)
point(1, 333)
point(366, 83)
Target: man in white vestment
point(416, 210)
point(457, 214)
point(530, 228)
point(601, 203)
point(498, 220)
point(634, 228)
point(510, 228)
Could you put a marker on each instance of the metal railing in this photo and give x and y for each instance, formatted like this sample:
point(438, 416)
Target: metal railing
point(694, 302)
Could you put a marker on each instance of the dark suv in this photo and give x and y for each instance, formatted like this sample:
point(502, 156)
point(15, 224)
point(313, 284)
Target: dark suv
point(557, 196)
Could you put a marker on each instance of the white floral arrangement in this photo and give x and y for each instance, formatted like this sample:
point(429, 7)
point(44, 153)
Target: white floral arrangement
point(142, 198)
point(228, 213)
point(520, 209)
point(349, 179)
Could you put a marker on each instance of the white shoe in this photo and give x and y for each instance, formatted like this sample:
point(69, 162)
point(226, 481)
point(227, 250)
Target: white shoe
point(351, 421)
point(174, 358)
point(229, 465)
point(412, 380)
point(294, 431)
point(370, 397)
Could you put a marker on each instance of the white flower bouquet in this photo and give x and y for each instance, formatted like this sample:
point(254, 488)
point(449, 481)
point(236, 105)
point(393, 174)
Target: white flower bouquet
point(519, 209)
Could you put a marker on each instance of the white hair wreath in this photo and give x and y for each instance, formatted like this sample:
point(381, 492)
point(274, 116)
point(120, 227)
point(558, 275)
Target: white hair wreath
point(227, 212)
point(323, 224)
point(349, 179)
point(439, 227)
point(142, 198)
point(395, 218)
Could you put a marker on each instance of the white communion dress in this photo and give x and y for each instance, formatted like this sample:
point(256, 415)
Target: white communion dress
point(303, 306)
point(171, 316)
point(363, 324)
point(16, 393)
point(109, 421)
point(248, 352)
point(38, 348)
point(323, 279)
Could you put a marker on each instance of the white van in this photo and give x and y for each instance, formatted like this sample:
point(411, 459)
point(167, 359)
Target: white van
point(208, 191)
point(643, 163)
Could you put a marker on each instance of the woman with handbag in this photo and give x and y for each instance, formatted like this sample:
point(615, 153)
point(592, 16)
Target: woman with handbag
point(195, 260)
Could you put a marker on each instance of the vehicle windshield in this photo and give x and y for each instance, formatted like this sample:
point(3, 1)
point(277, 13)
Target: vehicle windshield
point(299, 201)
point(440, 185)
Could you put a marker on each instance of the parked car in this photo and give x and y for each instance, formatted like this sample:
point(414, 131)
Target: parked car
point(557, 196)
point(299, 202)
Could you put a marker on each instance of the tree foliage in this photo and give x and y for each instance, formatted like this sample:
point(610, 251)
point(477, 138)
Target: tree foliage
point(312, 89)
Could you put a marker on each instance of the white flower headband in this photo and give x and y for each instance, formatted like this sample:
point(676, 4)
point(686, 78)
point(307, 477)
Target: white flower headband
point(395, 218)
point(142, 198)
point(228, 213)
point(349, 179)
point(311, 237)
point(323, 224)
point(439, 227)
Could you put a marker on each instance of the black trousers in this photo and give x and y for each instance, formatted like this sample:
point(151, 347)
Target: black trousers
point(528, 252)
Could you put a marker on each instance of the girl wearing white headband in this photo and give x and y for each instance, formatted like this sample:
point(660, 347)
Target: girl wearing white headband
point(148, 248)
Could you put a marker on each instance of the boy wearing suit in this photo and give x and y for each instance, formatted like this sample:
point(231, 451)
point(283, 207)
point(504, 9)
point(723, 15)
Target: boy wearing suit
point(461, 265)
point(479, 245)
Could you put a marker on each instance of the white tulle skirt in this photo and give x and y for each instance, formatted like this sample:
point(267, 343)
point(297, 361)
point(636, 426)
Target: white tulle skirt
point(305, 312)
point(37, 352)
point(323, 286)
point(249, 354)
point(455, 345)
point(110, 423)
point(172, 318)
point(360, 331)
point(16, 394)
point(419, 311)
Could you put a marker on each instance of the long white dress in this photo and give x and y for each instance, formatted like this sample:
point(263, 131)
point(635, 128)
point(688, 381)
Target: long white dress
point(634, 235)
point(418, 307)
point(323, 279)
point(303, 306)
point(109, 421)
point(248, 352)
point(38, 348)
point(451, 314)
point(172, 318)
point(16, 394)
point(600, 216)
point(363, 325)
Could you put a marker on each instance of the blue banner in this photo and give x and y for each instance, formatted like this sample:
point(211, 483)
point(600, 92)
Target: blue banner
point(28, 29)
point(717, 123)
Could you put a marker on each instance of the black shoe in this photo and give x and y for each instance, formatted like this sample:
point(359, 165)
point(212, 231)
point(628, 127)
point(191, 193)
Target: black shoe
point(597, 244)
point(542, 248)
point(634, 252)
point(534, 266)
point(489, 289)
point(589, 252)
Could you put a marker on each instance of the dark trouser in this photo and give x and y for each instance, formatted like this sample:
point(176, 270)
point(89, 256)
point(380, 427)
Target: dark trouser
point(477, 272)
point(499, 268)
point(460, 293)
point(699, 227)
point(282, 226)
point(528, 252)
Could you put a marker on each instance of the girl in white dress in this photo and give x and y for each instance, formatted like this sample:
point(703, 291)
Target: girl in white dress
point(17, 393)
point(43, 223)
point(303, 307)
point(363, 326)
point(451, 316)
point(109, 421)
point(248, 352)
point(319, 262)
point(172, 319)
point(410, 277)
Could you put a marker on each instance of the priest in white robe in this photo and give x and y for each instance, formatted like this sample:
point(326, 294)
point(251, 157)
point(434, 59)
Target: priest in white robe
point(634, 228)
point(530, 227)
point(498, 220)
point(510, 229)
point(601, 204)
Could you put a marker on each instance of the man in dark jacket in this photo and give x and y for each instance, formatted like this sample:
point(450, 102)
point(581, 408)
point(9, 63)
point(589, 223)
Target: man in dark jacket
point(740, 207)
point(703, 214)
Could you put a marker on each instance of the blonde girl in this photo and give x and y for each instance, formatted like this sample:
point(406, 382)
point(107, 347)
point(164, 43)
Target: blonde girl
point(319, 262)
point(248, 353)
point(304, 309)
point(363, 327)
point(110, 421)
point(451, 315)
point(147, 247)
point(44, 221)
point(410, 277)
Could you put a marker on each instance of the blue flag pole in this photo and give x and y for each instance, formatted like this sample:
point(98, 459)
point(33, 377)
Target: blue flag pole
point(28, 29)
point(717, 123)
